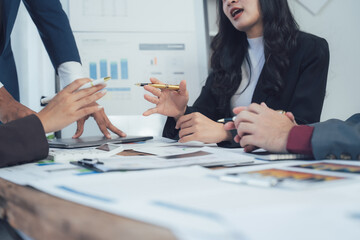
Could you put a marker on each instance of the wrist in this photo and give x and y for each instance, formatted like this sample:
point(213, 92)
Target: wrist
point(182, 113)
point(69, 72)
point(299, 140)
point(224, 134)
point(229, 136)
point(42, 118)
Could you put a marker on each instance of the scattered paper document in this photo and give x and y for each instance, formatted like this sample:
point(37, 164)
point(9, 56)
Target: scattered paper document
point(44, 170)
point(205, 156)
point(279, 178)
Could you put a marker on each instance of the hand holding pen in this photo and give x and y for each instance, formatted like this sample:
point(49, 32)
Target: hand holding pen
point(160, 86)
point(168, 102)
point(46, 100)
point(255, 127)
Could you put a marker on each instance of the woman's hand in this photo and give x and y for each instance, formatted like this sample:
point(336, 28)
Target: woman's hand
point(69, 105)
point(168, 102)
point(197, 127)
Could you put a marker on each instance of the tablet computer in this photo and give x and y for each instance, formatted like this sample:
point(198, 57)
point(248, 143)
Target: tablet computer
point(93, 141)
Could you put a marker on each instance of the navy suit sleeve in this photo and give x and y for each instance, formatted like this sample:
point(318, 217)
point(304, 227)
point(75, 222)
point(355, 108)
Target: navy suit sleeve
point(22, 141)
point(55, 31)
point(337, 139)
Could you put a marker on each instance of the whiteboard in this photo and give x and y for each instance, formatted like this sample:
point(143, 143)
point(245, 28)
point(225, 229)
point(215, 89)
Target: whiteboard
point(133, 16)
point(132, 41)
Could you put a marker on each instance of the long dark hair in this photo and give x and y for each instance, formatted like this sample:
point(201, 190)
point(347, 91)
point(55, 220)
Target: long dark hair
point(230, 47)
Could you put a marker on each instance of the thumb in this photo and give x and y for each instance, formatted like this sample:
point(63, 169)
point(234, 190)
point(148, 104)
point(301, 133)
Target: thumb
point(238, 110)
point(264, 105)
point(229, 126)
point(155, 81)
point(182, 87)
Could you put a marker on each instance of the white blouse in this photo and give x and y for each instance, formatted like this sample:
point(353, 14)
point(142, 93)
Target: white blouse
point(257, 60)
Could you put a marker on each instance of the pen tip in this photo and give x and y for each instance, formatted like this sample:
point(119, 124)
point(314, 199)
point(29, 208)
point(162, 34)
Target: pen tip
point(137, 84)
point(107, 79)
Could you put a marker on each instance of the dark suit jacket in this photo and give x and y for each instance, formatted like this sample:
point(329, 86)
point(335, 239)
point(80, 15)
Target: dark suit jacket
point(335, 139)
point(303, 94)
point(22, 141)
point(54, 28)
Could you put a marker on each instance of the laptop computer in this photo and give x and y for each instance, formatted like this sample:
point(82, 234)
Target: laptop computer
point(93, 141)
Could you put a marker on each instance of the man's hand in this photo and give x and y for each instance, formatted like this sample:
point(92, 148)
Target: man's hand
point(260, 126)
point(10, 109)
point(102, 121)
point(70, 104)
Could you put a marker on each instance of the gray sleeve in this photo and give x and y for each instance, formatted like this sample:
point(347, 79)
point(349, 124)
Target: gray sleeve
point(336, 139)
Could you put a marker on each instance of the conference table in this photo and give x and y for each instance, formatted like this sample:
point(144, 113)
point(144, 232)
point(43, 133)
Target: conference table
point(43, 216)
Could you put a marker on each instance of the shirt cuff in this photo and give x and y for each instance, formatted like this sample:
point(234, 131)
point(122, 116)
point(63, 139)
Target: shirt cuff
point(69, 72)
point(299, 140)
point(1, 85)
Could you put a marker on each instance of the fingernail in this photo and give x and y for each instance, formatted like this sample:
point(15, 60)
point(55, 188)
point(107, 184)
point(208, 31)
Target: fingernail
point(100, 107)
point(103, 91)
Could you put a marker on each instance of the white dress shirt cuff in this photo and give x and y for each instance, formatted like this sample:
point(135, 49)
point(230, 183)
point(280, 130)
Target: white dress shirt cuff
point(1, 85)
point(69, 72)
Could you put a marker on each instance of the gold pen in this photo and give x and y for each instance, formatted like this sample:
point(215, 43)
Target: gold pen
point(161, 86)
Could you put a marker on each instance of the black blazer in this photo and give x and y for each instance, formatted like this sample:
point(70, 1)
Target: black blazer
point(22, 141)
point(303, 93)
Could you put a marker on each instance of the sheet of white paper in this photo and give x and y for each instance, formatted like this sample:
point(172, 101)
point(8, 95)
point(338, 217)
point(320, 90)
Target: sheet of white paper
point(205, 156)
point(42, 171)
point(258, 213)
point(134, 194)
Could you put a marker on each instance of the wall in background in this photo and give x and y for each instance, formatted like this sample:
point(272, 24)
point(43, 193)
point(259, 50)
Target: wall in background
point(337, 22)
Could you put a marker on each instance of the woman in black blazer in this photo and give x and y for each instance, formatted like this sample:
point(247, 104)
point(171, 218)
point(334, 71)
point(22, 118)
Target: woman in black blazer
point(287, 71)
